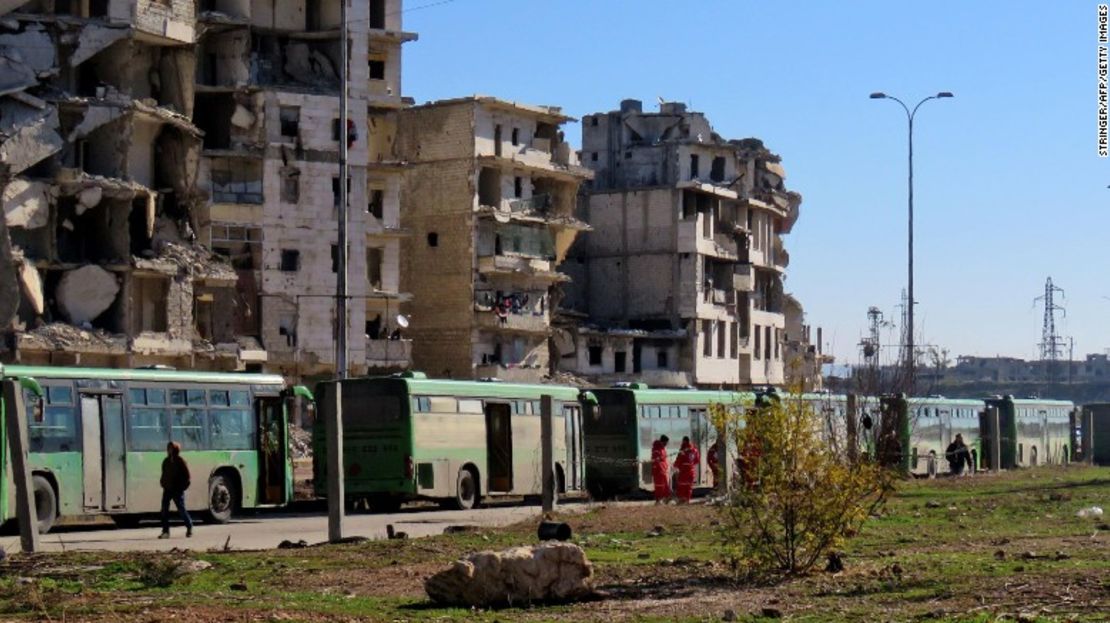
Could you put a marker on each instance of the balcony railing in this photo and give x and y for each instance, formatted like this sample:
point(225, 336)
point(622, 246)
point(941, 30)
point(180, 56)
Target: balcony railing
point(536, 204)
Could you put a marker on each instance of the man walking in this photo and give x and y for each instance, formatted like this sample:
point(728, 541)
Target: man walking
point(175, 481)
point(661, 470)
point(687, 464)
point(958, 455)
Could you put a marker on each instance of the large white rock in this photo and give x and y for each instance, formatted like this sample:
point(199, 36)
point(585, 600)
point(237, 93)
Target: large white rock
point(547, 572)
point(32, 286)
point(84, 293)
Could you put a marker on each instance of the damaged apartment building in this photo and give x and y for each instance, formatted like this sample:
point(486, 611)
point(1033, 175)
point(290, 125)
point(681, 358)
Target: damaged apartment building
point(489, 199)
point(98, 168)
point(267, 99)
point(680, 283)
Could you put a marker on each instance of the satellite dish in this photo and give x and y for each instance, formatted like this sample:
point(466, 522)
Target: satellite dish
point(402, 321)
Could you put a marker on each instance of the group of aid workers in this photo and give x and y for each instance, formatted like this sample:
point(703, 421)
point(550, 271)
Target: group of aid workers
point(685, 463)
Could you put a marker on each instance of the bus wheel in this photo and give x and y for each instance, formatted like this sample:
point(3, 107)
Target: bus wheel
point(221, 499)
point(126, 522)
point(385, 503)
point(46, 503)
point(466, 491)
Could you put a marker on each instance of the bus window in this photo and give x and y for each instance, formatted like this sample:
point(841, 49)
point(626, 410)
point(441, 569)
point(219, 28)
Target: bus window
point(56, 430)
point(177, 398)
point(444, 404)
point(196, 397)
point(146, 429)
point(156, 396)
point(240, 398)
point(232, 429)
point(536, 407)
point(187, 428)
point(56, 394)
point(218, 398)
point(470, 406)
point(421, 405)
point(673, 412)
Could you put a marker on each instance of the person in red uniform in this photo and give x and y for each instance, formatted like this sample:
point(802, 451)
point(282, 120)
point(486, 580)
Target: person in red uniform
point(661, 470)
point(687, 465)
point(714, 461)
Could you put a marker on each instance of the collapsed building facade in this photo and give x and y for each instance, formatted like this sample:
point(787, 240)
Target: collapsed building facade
point(680, 282)
point(99, 163)
point(267, 99)
point(489, 197)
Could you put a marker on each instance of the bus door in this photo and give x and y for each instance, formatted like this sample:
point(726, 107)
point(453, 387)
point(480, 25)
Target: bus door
point(272, 450)
point(572, 417)
point(103, 456)
point(499, 446)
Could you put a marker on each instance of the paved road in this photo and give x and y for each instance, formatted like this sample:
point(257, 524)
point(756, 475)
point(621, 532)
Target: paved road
point(266, 530)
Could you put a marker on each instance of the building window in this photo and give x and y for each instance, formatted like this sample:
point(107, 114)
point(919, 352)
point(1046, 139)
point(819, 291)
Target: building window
point(377, 69)
point(516, 136)
point(290, 185)
point(721, 334)
point(734, 348)
point(377, 14)
point(433, 239)
point(376, 205)
point(242, 245)
point(707, 338)
point(767, 343)
point(595, 355)
point(619, 359)
point(661, 359)
point(693, 166)
point(593, 121)
point(778, 336)
point(374, 258)
point(335, 129)
point(335, 191)
point(335, 258)
point(756, 351)
point(593, 157)
point(290, 260)
point(518, 187)
point(717, 169)
point(290, 121)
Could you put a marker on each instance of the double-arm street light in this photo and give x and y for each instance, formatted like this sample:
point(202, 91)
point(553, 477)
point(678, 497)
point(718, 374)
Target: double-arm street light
point(910, 358)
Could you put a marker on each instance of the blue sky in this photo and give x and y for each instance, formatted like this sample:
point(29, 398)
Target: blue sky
point(1008, 185)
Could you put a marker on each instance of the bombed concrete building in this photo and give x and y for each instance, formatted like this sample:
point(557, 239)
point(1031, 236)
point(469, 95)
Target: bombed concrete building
point(489, 198)
point(98, 163)
point(267, 99)
point(680, 283)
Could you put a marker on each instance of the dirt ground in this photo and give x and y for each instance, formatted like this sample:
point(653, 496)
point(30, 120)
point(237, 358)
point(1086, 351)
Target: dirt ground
point(977, 549)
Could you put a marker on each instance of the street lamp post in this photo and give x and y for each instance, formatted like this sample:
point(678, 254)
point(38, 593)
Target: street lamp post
point(910, 358)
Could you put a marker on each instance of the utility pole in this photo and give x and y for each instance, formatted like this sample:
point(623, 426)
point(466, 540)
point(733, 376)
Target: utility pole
point(1052, 344)
point(334, 424)
point(16, 416)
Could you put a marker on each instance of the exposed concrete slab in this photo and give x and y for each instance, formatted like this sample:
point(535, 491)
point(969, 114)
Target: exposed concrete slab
point(89, 198)
point(34, 47)
point(9, 288)
point(85, 293)
point(15, 75)
point(242, 118)
point(26, 204)
point(93, 40)
point(32, 287)
point(31, 143)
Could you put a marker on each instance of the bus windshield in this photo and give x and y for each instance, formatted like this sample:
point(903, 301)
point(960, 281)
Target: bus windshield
point(613, 414)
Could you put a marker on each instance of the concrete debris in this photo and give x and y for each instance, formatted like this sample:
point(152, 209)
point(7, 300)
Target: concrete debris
point(93, 40)
point(9, 289)
point(68, 225)
point(195, 261)
point(242, 118)
point(15, 75)
point(308, 65)
point(60, 336)
point(33, 47)
point(32, 142)
point(540, 573)
point(32, 287)
point(26, 204)
point(85, 293)
point(95, 117)
point(89, 198)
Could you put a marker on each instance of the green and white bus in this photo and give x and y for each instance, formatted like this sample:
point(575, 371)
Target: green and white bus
point(621, 428)
point(98, 436)
point(407, 437)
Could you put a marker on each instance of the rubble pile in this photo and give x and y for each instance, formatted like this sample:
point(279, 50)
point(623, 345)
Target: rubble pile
point(551, 572)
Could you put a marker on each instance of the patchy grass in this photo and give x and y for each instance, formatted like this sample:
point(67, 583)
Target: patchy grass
point(979, 549)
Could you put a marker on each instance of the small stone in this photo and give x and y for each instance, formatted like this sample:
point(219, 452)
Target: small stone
point(771, 613)
point(1062, 556)
point(1000, 555)
point(238, 586)
point(729, 615)
point(1029, 556)
point(932, 504)
point(643, 555)
point(1019, 568)
point(1026, 617)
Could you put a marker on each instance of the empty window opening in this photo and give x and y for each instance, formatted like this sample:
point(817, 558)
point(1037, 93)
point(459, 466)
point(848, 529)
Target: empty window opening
point(721, 335)
point(290, 260)
point(433, 239)
point(717, 170)
point(518, 187)
point(767, 343)
point(212, 114)
point(661, 359)
point(335, 129)
point(734, 342)
point(140, 239)
point(374, 258)
point(149, 296)
point(377, 69)
point(497, 140)
point(242, 245)
point(376, 205)
point(290, 185)
point(98, 234)
point(377, 14)
point(593, 157)
point(707, 338)
point(619, 360)
point(516, 136)
point(594, 355)
point(489, 187)
point(290, 121)
point(593, 121)
point(693, 166)
point(757, 352)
